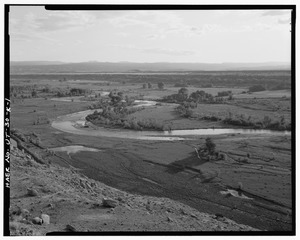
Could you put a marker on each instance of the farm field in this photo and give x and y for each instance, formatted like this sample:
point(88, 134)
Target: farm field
point(257, 166)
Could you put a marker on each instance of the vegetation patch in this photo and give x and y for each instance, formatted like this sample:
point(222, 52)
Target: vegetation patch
point(115, 112)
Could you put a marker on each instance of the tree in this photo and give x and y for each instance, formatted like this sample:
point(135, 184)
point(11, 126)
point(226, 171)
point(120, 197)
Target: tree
point(183, 91)
point(210, 145)
point(160, 85)
point(33, 93)
point(183, 94)
point(116, 96)
point(149, 85)
point(46, 89)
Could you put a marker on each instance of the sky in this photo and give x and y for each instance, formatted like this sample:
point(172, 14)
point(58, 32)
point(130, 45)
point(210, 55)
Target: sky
point(203, 36)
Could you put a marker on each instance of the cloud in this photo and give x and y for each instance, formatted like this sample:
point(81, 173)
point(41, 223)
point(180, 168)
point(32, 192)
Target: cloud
point(154, 20)
point(38, 26)
point(54, 21)
point(275, 12)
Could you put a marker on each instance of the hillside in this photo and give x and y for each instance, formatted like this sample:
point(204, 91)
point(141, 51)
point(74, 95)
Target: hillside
point(98, 67)
point(71, 202)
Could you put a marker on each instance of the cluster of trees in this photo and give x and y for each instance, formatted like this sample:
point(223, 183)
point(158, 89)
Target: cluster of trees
point(145, 124)
point(186, 110)
point(77, 91)
point(197, 97)
point(265, 123)
point(160, 85)
point(72, 92)
point(117, 117)
point(27, 91)
point(181, 84)
point(257, 88)
point(224, 93)
point(208, 151)
point(115, 112)
point(147, 85)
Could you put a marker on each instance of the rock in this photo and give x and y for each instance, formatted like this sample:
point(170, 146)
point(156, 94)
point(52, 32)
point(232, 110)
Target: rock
point(95, 205)
point(25, 221)
point(25, 212)
point(109, 203)
point(45, 218)
point(37, 220)
point(70, 228)
point(31, 192)
point(218, 216)
point(170, 219)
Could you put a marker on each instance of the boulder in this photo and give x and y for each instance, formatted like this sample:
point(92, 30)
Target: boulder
point(37, 220)
point(45, 218)
point(70, 228)
point(109, 203)
point(31, 192)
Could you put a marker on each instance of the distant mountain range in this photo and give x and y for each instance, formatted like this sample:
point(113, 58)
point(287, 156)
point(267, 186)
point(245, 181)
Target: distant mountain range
point(18, 67)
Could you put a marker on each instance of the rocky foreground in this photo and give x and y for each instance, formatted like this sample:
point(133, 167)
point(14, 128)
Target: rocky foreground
point(50, 198)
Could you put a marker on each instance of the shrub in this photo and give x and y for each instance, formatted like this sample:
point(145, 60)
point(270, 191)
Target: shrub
point(180, 85)
point(257, 88)
point(223, 156)
point(224, 93)
point(160, 85)
point(34, 93)
point(210, 145)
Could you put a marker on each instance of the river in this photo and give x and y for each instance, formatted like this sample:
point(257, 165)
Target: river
point(75, 123)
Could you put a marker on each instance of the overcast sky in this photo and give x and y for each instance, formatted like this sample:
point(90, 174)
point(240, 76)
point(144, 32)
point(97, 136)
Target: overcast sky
point(149, 36)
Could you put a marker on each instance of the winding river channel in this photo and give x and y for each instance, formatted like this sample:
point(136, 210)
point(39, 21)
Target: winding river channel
point(75, 123)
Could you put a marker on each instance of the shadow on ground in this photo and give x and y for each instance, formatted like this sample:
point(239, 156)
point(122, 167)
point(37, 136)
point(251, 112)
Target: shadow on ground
point(186, 163)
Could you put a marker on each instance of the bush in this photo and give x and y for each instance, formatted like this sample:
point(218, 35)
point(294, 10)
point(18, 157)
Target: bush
point(180, 85)
point(223, 156)
point(160, 85)
point(224, 93)
point(210, 145)
point(257, 88)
